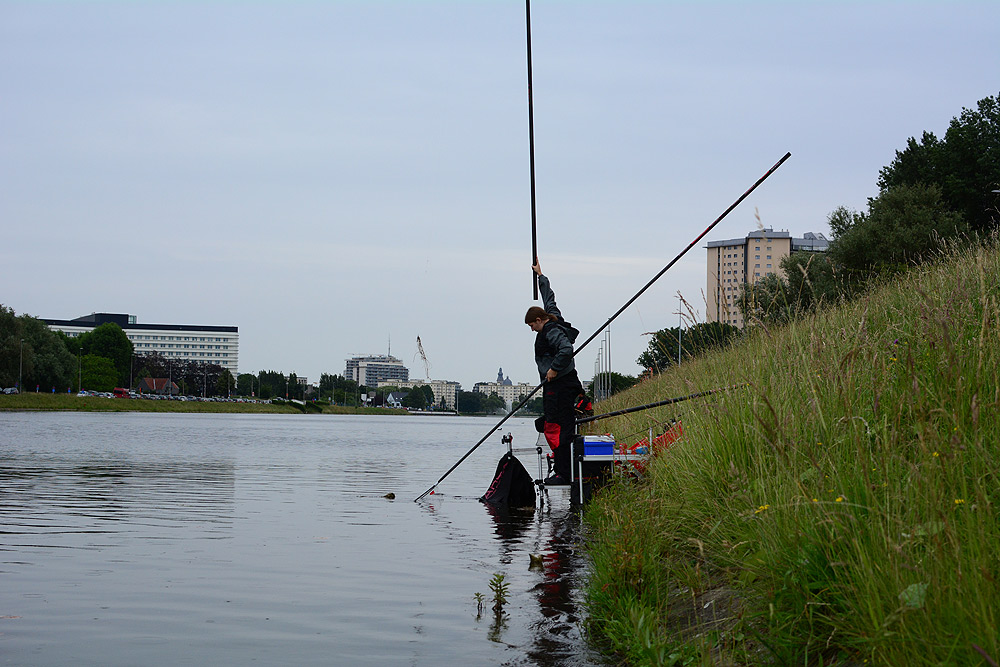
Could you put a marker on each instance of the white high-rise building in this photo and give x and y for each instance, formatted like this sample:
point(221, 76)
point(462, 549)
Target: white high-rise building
point(371, 370)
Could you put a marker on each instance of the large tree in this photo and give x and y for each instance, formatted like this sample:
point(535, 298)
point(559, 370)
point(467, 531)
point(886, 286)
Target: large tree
point(965, 164)
point(414, 399)
point(904, 225)
point(35, 353)
point(469, 402)
point(99, 373)
point(109, 341)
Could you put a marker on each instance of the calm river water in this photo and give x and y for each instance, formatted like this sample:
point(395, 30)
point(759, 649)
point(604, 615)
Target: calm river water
point(149, 539)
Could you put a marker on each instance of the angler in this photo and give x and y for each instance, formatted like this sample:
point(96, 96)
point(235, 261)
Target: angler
point(554, 338)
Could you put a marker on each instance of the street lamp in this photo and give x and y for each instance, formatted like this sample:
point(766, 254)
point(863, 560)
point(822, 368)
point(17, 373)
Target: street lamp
point(20, 366)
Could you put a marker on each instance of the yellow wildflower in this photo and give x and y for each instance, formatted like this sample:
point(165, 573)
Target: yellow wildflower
point(761, 509)
point(840, 499)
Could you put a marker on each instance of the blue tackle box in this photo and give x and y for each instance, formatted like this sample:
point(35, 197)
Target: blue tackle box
point(598, 445)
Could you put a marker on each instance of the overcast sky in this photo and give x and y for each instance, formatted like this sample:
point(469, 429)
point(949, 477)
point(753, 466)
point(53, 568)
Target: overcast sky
point(330, 176)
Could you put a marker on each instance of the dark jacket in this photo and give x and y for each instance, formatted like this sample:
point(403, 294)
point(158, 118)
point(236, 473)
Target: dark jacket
point(554, 343)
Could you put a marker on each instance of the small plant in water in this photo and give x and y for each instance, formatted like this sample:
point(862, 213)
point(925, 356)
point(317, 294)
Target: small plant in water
point(479, 605)
point(499, 587)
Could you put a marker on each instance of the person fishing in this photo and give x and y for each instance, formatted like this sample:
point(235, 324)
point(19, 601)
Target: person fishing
point(554, 338)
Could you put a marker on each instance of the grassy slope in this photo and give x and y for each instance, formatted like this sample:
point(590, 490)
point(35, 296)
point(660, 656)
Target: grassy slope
point(842, 509)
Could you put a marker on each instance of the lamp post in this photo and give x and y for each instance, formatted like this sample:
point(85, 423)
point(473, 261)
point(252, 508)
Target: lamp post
point(20, 366)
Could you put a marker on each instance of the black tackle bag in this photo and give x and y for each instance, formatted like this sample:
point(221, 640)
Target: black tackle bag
point(512, 485)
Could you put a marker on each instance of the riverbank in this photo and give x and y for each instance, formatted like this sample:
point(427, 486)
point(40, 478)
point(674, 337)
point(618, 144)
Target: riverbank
point(842, 508)
point(73, 403)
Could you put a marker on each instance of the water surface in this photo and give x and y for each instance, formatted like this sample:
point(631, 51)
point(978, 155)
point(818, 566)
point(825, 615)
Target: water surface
point(154, 539)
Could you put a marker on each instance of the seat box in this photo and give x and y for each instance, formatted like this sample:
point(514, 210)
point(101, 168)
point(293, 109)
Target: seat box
point(598, 445)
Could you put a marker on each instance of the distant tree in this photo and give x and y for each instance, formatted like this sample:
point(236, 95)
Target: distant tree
point(964, 164)
point(904, 226)
point(225, 384)
point(414, 399)
point(494, 404)
point(614, 382)
point(428, 394)
point(813, 279)
point(10, 343)
point(767, 300)
point(109, 341)
point(245, 384)
point(341, 387)
point(661, 352)
point(469, 402)
point(42, 359)
point(99, 373)
point(271, 383)
point(532, 407)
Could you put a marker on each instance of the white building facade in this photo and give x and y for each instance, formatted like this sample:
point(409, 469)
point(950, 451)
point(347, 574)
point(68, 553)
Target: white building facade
point(188, 342)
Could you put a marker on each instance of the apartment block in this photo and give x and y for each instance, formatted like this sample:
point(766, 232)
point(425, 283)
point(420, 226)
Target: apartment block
point(370, 370)
point(736, 262)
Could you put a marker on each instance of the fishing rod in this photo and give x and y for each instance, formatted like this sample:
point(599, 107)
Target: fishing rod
point(668, 401)
point(684, 252)
point(531, 153)
point(612, 318)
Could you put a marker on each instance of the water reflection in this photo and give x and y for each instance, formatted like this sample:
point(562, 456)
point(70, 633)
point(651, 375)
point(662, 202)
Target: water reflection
point(551, 532)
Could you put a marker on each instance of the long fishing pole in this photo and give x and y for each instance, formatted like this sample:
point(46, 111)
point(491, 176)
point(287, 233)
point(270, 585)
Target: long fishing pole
point(684, 252)
point(531, 153)
point(648, 406)
point(613, 317)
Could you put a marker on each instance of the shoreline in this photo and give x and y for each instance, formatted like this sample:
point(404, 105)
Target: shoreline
point(38, 402)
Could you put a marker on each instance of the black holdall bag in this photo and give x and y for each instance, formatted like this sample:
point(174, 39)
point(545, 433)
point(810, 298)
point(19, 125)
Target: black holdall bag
point(512, 486)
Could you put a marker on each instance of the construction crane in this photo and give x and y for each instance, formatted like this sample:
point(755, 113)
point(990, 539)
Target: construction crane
point(427, 366)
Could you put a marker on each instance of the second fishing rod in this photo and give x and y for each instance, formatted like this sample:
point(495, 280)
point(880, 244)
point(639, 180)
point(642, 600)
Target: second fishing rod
point(611, 319)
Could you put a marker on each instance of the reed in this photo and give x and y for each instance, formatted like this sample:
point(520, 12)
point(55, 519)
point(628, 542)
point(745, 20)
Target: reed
point(841, 509)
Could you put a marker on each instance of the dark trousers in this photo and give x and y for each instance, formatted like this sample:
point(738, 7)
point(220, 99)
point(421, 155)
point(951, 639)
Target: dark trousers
point(558, 404)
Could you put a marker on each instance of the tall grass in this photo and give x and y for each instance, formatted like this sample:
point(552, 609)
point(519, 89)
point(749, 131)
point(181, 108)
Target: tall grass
point(839, 509)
